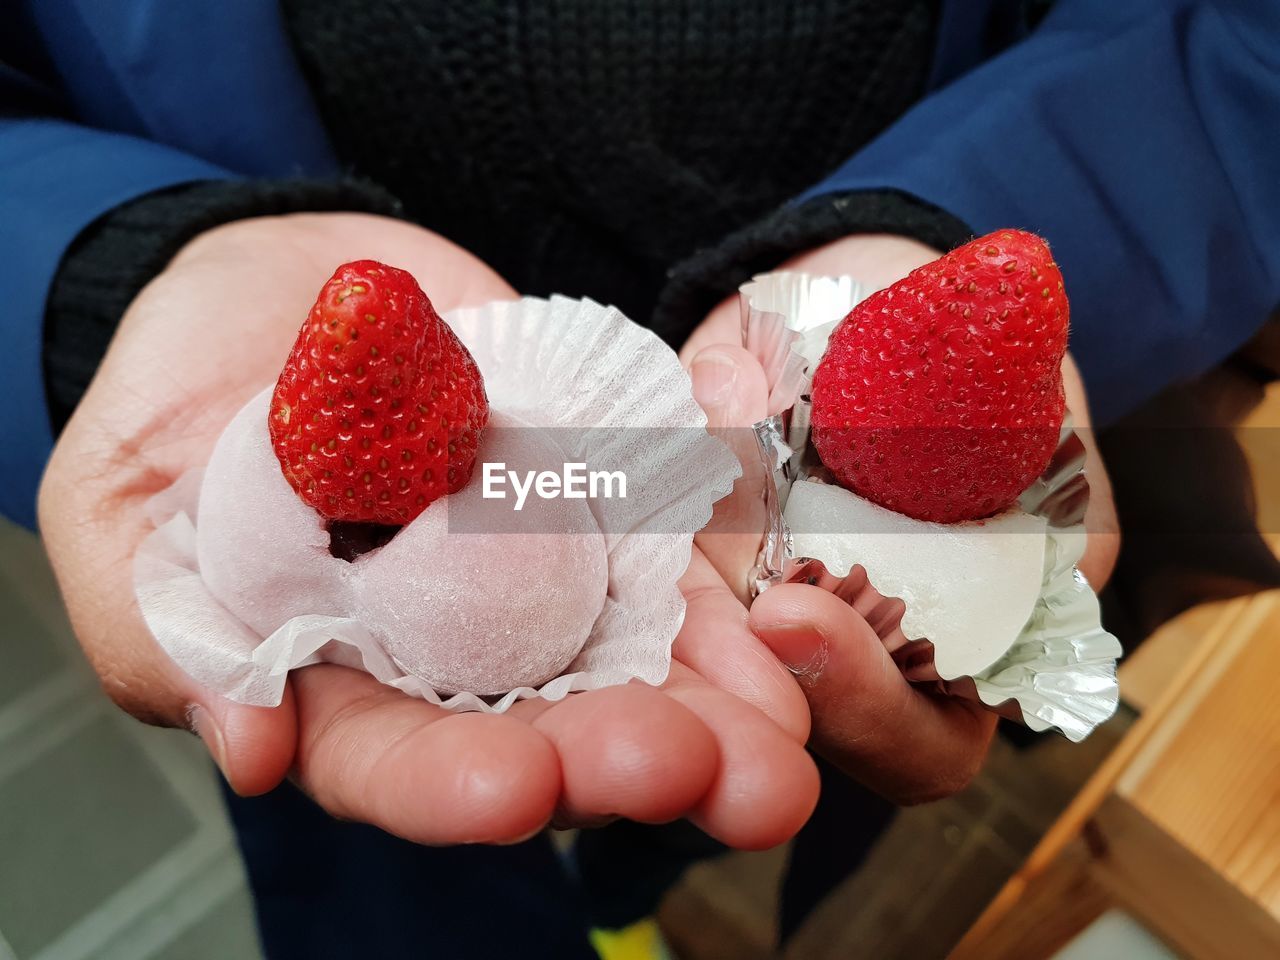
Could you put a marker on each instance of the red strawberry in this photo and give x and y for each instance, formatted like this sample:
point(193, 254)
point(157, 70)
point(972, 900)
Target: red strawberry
point(941, 396)
point(379, 408)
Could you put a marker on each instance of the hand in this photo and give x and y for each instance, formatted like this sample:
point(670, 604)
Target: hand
point(197, 343)
point(878, 260)
point(906, 743)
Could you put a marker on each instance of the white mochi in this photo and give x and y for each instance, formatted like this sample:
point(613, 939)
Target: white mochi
point(263, 552)
point(471, 596)
point(472, 599)
point(476, 596)
point(968, 588)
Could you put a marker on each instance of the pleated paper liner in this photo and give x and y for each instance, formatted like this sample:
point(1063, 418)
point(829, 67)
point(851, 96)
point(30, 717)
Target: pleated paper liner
point(606, 391)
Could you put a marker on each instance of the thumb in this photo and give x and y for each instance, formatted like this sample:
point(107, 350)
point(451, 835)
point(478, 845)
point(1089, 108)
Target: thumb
point(252, 746)
point(907, 744)
point(730, 386)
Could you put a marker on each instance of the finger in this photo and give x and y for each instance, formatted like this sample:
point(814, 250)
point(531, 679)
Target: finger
point(252, 746)
point(903, 742)
point(1102, 547)
point(628, 751)
point(767, 784)
point(730, 386)
point(722, 325)
point(882, 614)
point(716, 643)
point(367, 752)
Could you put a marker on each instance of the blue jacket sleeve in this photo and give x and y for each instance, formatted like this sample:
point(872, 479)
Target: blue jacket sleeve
point(55, 179)
point(1138, 138)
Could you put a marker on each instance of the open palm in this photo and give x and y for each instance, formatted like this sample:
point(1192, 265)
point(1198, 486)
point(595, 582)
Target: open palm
point(721, 742)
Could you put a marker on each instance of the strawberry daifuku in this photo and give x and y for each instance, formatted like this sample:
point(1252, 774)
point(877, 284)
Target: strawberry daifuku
point(379, 408)
point(941, 396)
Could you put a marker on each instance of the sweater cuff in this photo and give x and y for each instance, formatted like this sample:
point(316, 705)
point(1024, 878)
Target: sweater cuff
point(117, 255)
point(697, 284)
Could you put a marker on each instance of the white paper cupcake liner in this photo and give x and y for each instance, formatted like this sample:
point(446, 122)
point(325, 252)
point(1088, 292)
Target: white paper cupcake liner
point(606, 389)
point(1059, 670)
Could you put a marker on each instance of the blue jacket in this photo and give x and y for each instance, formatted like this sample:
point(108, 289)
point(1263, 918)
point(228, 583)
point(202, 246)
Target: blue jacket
point(1138, 136)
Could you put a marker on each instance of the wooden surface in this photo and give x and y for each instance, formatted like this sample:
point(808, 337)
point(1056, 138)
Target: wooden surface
point(1186, 901)
point(1028, 902)
point(1123, 860)
point(1210, 778)
point(1051, 908)
point(1149, 671)
point(1181, 824)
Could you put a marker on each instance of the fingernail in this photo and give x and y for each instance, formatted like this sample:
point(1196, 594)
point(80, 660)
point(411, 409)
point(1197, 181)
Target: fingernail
point(202, 725)
point(801, 649)
point(512, 841)
point(714, 374)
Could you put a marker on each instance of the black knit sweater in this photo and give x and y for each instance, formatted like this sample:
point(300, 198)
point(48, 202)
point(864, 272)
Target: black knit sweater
point(636, 152)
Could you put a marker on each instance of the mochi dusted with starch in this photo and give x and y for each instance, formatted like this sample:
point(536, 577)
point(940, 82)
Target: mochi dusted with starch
point(506, 606)
point(385, 417)
point(969, 588)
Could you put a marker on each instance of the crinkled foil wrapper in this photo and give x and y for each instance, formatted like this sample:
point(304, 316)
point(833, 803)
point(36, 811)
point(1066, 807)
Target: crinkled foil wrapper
point(1060, 671)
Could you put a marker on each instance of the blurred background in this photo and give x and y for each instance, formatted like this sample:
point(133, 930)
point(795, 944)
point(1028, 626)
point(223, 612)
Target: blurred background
point(113, 839)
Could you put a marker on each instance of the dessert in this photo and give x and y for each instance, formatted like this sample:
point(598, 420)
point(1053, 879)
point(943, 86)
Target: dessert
point(442, 603)
point(344, 516)
point(938, 400)
point(920, 454)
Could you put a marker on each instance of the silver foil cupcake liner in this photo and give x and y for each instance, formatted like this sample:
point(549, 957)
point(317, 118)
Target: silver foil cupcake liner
point(1060, 670)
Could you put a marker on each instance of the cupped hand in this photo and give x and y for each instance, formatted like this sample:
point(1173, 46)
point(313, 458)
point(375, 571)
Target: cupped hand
point(902, 741)
point(906, 742)
point(720, 743)
point(878, 260)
